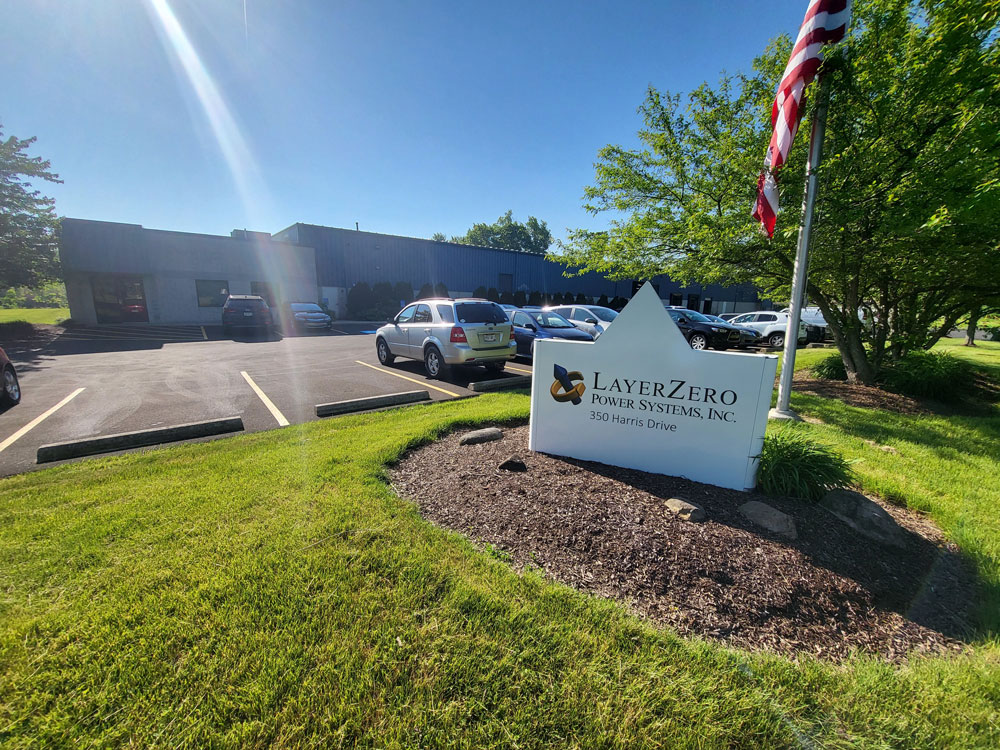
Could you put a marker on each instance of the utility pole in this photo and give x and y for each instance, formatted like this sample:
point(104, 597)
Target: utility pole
point(783, 410)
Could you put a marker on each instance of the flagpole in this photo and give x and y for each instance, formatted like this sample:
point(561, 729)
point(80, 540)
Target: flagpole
point(782, 410)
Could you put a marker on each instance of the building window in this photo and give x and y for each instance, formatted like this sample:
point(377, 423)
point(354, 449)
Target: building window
point(693, 300)
point(675, 300)
point(212, 293)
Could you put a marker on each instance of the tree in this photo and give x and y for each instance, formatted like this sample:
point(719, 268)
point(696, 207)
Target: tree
point(426, 291)
point(582, 299)
point(520, 299)
point(439, 237)
point(531, 237)
point(535, 298)
point(480, 292)
point(492, 294)
point(440, 290)
point(360, 300)
point(28, 222)
point(506, 298)
point(603, 300)
point(908, 225)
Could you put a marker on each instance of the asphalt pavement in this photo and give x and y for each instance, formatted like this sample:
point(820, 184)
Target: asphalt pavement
point(95, 382)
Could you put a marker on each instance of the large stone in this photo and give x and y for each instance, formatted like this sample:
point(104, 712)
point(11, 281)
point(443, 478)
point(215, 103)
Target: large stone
point(865, 516)
point(770, 518)
point(684, 510)
point(480, 436)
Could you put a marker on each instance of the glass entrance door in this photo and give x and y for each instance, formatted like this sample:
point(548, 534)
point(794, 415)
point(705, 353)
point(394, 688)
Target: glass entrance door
point(119, 299)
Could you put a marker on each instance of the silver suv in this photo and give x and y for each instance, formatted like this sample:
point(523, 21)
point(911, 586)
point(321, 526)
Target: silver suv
point(445, 332)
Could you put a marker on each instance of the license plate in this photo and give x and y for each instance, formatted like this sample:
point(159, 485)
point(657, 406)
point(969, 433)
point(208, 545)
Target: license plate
point(489, 337)
point(247, 314)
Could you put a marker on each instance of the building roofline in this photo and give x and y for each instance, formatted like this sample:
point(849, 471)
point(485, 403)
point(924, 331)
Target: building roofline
point(405, 237)
point(262, 234)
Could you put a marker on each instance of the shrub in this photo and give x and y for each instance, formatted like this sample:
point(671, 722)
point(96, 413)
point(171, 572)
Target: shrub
point(359, 300)
point(934, 375)
point(603, 300)
point(582, 299)
point(440, 290)
point(403, 293)
point(492, 294)
point(425, 291)
point(830, 368)
point(506, 298)
point(792, 465)
point(480, 292)
point(520, 299)
point(535, 298)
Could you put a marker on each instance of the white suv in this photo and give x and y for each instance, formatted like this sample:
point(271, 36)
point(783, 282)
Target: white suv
point(770, 325)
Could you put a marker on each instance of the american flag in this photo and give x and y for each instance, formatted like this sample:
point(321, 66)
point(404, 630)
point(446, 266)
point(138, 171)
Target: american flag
point(825, 22)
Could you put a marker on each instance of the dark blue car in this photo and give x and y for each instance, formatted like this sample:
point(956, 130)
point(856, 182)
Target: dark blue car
point(542, 324)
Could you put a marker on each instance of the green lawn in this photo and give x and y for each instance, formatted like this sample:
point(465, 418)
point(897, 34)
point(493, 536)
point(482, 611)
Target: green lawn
point(270, 589)
point(36, 315)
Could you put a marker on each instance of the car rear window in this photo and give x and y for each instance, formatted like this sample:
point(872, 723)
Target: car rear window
point(479, 312)
point(245, 304)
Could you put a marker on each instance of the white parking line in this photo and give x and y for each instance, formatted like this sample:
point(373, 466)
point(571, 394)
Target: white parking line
point(275, 412)
point(203, 334)
point(424, 383)
point(39, 419)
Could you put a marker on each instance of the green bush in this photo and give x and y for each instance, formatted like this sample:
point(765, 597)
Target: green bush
point(792, 465)
point(830, 368)
point(934, 375)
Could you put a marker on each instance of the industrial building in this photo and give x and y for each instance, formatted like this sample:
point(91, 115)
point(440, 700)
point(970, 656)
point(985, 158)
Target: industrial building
point(118, 273)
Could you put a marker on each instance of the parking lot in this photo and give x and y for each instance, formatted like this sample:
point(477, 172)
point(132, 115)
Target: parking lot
point(96, 382)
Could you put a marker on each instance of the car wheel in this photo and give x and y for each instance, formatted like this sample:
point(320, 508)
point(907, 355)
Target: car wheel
point(11, 388)
point(496, 367)
point(698, 341)
point(434, 363)
point(385, 357)
point(777, 340)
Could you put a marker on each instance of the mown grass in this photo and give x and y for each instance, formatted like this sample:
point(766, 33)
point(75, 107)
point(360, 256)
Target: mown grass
point(270, 589)
point(35, 315)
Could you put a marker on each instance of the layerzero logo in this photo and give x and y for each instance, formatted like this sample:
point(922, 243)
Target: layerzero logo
point(563, 388)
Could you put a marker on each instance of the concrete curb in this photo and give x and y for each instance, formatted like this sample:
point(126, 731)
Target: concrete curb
point(138, 439)
point(372, 402)
point(502, 384)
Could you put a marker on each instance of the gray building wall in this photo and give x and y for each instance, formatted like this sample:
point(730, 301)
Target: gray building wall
point(345, 257)
point(169, 263)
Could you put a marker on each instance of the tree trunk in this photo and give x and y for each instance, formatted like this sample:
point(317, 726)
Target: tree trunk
point(970, 331)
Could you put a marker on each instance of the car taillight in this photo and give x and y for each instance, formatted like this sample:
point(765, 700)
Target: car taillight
point(458, 335)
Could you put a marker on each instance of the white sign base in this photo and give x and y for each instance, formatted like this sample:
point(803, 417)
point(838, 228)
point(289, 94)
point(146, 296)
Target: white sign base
point(642, 398)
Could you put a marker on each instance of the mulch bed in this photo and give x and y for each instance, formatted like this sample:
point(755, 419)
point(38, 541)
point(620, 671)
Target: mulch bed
point(855, 394)
point(605, 530)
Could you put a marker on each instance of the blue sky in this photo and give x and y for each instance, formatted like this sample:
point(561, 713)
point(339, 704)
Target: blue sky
point(407, 117)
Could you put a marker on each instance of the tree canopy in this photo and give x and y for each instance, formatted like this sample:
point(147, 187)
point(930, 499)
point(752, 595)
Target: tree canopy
point(28, 221)
point(533, 236)
point(907, 228)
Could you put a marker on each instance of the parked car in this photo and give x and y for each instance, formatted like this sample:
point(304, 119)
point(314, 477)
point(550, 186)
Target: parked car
point(134, 309)
point(530, 325)
point(246, 311)
point(701, 332)
point(593, 319)
point(728, 316)
point(770, 325)
point(308, 316)
point(748, 336)
point(11, 395)
point(816, 326)
point(445, 332)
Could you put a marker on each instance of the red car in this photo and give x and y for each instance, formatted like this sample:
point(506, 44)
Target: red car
point(11, 395)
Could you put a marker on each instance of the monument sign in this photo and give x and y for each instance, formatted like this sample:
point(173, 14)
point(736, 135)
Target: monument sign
point(642, 398)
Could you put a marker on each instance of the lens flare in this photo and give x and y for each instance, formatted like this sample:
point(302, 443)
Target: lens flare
point(232, 144)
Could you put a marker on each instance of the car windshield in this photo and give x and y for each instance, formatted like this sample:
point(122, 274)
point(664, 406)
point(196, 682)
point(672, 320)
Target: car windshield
point(306, 307)
point(695, 315)
point(603, 313)
point(550, 320)
point(479, 312)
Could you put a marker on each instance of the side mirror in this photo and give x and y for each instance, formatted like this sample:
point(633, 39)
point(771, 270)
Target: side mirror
point(391, 319)
point(530, 327)
point(591, 321)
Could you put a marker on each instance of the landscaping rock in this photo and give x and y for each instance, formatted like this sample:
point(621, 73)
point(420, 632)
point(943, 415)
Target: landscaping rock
point(685, 511)
point(480, 436)
point(770, 518)
point(514, 463)
point(864, 516)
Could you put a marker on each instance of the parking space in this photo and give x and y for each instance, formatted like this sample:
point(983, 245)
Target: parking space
point(135, 379)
